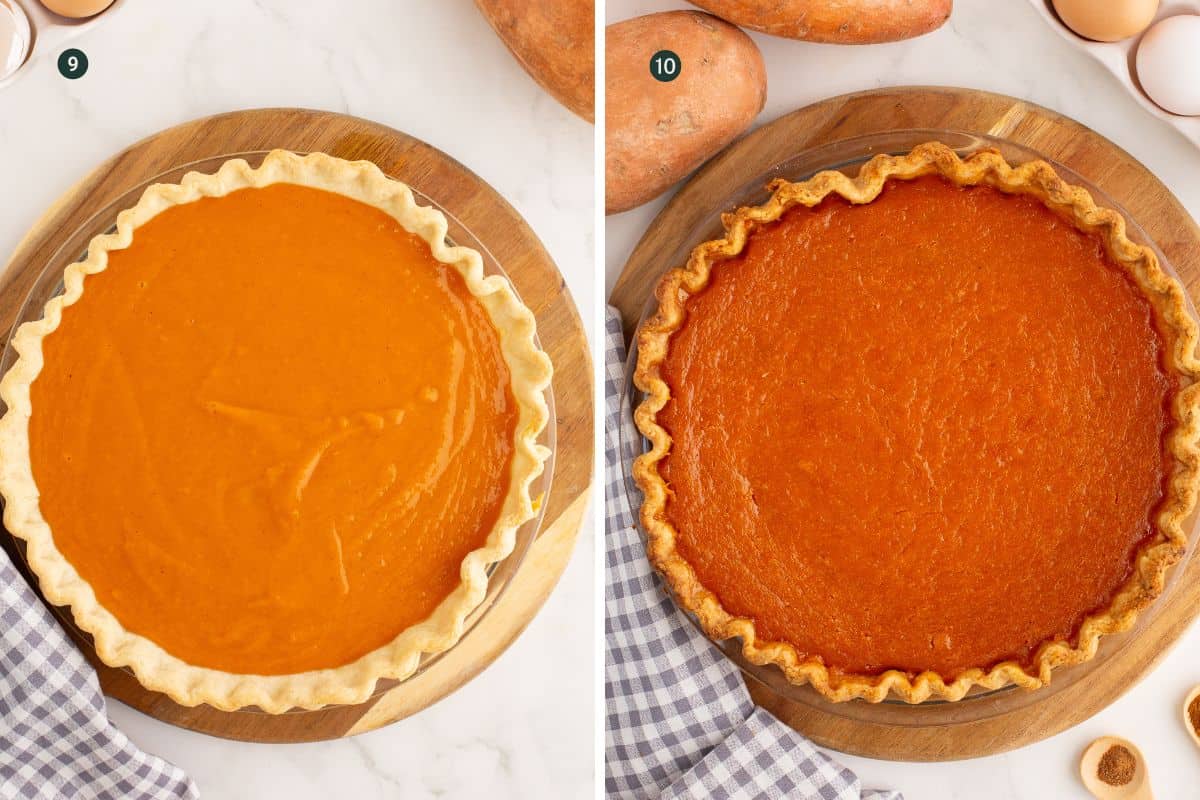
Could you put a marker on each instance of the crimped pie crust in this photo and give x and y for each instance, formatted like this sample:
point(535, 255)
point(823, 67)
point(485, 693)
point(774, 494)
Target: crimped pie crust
point(987, 167)
point(156, 669)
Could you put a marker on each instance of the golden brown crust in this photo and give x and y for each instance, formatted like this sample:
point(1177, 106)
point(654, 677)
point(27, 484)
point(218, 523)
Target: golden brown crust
point(352, 683)
point(987, 167)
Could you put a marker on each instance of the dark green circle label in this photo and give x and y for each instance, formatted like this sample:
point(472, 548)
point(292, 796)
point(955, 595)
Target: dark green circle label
point(665, 66)
point(72, 64)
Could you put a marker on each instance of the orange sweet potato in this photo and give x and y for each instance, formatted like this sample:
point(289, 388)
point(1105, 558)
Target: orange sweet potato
point(658, 132)
point(834, 21)
point(554, 40)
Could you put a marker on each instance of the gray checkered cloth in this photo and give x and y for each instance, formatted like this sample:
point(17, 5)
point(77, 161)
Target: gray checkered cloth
point(680, 724)
point(55, 737)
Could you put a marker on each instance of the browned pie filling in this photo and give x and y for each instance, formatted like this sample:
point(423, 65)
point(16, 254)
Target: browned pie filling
point(924, 433)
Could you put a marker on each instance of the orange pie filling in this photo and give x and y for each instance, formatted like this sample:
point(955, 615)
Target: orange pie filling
point(925, 433)
point(269, 433)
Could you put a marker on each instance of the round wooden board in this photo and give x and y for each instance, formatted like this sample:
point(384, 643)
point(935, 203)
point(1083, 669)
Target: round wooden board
point(502, 230)
point(1058, 137)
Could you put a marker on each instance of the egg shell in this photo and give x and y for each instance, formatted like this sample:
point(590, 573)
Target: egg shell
point(1168, 64)
point(1106, 20)
point(77, 9)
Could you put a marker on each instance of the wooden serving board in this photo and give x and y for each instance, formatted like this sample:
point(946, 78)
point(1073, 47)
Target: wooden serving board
point(1060, 138)
point(515, 246)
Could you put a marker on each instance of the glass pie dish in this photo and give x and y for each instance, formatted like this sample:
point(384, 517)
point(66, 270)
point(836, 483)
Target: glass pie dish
point(848, 156)
point(49, 283)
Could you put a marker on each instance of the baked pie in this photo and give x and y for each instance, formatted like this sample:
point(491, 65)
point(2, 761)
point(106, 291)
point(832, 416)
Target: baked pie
point(924, 429)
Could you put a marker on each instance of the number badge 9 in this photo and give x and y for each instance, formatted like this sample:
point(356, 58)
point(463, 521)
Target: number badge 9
point(72, 64)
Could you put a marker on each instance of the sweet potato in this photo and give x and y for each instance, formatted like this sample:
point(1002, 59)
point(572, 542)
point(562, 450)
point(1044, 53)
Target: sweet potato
point(834, 21)
point(658, 132)
point(554, 40)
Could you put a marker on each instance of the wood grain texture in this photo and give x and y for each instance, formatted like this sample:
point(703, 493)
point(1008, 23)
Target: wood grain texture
point(1058, 137)
point(530, 588)
point(515, 246)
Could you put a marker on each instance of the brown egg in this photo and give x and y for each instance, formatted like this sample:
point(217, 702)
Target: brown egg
point(77, 9)
point(1107, 20)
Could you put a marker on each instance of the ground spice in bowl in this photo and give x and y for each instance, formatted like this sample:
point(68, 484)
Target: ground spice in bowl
point(1193, 712)
point(1118, 764)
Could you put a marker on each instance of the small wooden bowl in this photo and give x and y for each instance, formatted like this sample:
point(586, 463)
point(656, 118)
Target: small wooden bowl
point(1138, 787)
point(1187, 720)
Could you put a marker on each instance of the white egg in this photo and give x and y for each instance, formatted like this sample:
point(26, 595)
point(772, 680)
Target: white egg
point(1168, 64)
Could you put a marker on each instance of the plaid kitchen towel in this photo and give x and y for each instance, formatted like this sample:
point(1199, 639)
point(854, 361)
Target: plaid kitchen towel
point(56, 742)
point(679, 723)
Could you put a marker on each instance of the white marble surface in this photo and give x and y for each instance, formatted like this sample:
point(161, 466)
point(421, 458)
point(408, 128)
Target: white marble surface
point(524, 728)
point(1002, 47)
